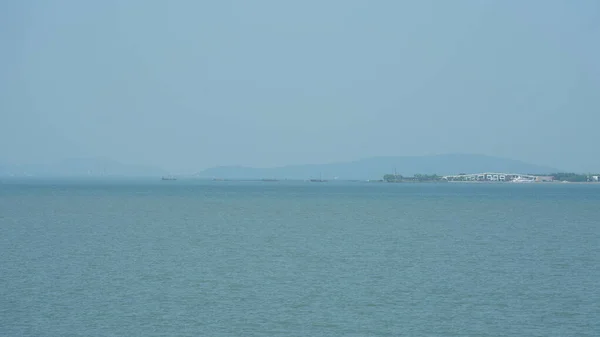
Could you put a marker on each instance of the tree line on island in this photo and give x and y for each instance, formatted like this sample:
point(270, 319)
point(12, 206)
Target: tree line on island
point(396, 178)
point(575, 177)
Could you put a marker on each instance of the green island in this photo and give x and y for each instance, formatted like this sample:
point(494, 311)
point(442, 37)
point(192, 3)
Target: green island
point(398, 178)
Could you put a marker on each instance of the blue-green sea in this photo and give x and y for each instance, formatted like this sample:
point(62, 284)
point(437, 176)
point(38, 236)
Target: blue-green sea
point(193, 258)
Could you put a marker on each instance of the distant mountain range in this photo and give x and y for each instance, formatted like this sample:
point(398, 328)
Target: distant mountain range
point(80, 167)
point(376, 167)
point(370, 168)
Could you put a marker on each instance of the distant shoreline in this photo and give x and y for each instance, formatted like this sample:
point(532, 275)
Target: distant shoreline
point(529, 183)
point(184, 179)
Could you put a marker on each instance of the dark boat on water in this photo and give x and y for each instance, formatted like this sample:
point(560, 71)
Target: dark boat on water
point(169, 178)
point(320, 180)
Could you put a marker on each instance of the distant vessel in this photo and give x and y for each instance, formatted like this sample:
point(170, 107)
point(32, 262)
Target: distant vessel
point(320, 180)
point(169, 178)
point(267, 179)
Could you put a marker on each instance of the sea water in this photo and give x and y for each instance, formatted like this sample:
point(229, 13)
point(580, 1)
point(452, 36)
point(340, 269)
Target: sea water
point(191, 258)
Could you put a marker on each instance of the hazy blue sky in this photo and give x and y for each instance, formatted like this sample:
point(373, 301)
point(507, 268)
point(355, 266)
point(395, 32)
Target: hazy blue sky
point(186, 85)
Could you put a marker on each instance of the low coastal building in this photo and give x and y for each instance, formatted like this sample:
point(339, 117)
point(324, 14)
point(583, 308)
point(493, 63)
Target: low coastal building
point(498, 177)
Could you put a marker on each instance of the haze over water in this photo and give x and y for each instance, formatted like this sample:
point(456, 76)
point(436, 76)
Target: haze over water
point(191, 258)
point(189, 85)
point(209, 88)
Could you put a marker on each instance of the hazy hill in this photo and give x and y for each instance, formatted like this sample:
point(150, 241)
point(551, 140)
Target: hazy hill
point(376, 167)
point(80, 167)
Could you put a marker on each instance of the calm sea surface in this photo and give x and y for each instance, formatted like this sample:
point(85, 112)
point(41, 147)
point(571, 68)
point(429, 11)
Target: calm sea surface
point(191, 258)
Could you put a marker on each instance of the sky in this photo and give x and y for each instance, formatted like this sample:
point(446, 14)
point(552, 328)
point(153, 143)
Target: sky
point(187, 85)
